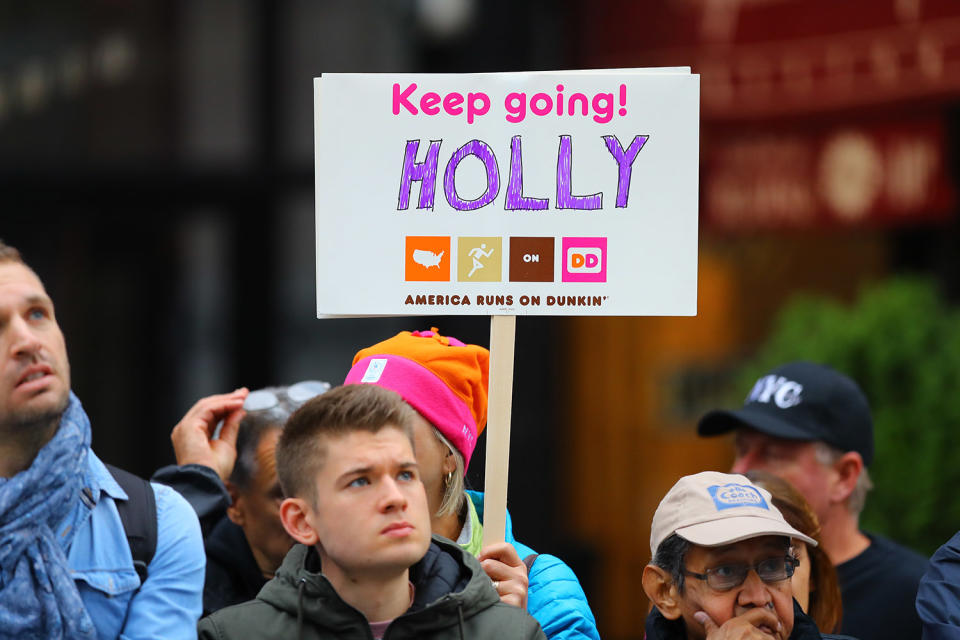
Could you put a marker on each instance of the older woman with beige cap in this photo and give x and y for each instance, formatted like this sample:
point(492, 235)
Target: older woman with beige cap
point(722, 559)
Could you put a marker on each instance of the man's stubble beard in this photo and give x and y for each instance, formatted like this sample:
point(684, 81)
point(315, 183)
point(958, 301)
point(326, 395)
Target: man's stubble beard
point(33, 428)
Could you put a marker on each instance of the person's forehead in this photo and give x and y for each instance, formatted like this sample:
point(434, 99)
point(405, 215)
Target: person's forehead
point(743, 548)
point(266, 453)
point(749, 435)
point(420, 426)
point(352, 448)
point(269, 437)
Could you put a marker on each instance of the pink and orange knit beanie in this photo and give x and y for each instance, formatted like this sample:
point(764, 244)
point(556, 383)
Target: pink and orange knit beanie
point(445, 380)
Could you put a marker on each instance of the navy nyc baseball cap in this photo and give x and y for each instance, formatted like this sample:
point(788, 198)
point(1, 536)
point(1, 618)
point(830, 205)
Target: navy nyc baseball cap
point(802, 401)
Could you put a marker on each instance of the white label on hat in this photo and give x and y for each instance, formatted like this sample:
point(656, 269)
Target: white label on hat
point(730, 496)
point(374, 370)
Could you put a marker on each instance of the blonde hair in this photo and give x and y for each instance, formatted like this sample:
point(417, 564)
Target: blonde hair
point(454, 496)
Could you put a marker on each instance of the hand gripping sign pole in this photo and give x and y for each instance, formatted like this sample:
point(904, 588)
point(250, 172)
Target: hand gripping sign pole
point(499, 405)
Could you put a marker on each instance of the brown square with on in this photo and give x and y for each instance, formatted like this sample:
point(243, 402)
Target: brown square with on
point(531, 259)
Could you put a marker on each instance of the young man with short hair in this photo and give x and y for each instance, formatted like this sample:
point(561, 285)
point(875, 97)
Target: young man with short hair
point(365, 565)
point(721, 562)
point(446, 381)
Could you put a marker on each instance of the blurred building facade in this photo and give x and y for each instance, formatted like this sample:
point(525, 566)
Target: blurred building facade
point(828, 137)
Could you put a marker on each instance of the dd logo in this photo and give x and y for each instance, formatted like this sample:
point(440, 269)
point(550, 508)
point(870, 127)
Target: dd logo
point(584, 259)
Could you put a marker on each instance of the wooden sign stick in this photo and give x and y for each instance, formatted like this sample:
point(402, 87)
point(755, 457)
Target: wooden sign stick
point(499, 404)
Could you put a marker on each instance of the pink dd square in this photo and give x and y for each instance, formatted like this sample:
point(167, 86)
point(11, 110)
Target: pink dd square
point(584, 260)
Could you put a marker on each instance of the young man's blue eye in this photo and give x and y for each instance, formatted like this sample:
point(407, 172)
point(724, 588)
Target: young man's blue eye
point(359, 482)
point(405, 475)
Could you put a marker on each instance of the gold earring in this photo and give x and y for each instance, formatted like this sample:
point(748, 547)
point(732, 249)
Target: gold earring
point(448, 478)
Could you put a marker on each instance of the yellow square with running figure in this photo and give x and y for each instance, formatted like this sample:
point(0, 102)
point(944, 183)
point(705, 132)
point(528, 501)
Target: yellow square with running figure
point(480, 259)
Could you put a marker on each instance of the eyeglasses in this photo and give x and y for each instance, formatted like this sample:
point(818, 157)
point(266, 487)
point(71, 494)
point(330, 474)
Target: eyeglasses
point(298, 393)
point(728, 576)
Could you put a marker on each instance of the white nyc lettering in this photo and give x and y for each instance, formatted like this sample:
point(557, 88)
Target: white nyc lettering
point(785, 393)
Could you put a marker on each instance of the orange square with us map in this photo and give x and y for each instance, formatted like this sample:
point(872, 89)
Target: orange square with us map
point(427, 259)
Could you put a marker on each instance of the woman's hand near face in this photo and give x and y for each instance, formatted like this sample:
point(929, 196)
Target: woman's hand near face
point(503, 565)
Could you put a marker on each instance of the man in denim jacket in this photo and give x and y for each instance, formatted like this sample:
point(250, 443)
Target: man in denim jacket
point(66, 568)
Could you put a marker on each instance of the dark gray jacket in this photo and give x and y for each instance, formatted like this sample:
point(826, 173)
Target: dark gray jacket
point(454, 600)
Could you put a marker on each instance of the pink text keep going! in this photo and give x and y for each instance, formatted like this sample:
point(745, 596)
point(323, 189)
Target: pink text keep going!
point(601, 106)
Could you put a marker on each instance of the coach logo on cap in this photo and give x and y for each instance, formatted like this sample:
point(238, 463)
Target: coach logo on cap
point(374, 370)
point(731, 496)
point(785, 393)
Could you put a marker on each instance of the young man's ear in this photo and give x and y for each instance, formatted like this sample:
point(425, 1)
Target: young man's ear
point(847, 470)
point(663, 593)
point(236, 511)
point(293, 515)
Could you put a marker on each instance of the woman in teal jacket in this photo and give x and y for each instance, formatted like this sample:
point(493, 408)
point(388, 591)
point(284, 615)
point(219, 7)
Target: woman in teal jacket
point(446, 381)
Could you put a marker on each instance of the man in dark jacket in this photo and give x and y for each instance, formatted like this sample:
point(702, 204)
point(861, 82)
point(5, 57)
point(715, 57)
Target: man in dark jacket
point(243, 536)
point(366, 565)
point(938, 598)
point(721, 564)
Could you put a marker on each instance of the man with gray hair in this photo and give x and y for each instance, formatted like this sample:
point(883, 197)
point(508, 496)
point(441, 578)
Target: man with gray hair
point(811, 425)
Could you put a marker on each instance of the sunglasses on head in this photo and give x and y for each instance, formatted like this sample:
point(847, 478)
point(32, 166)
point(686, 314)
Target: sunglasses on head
point(728, 576)
point(298, 393)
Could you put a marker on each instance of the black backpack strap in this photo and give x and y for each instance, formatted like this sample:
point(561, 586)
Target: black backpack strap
point(139, 517)
point(529, 560)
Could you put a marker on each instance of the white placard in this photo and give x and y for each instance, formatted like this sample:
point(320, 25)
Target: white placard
point(555, 193)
